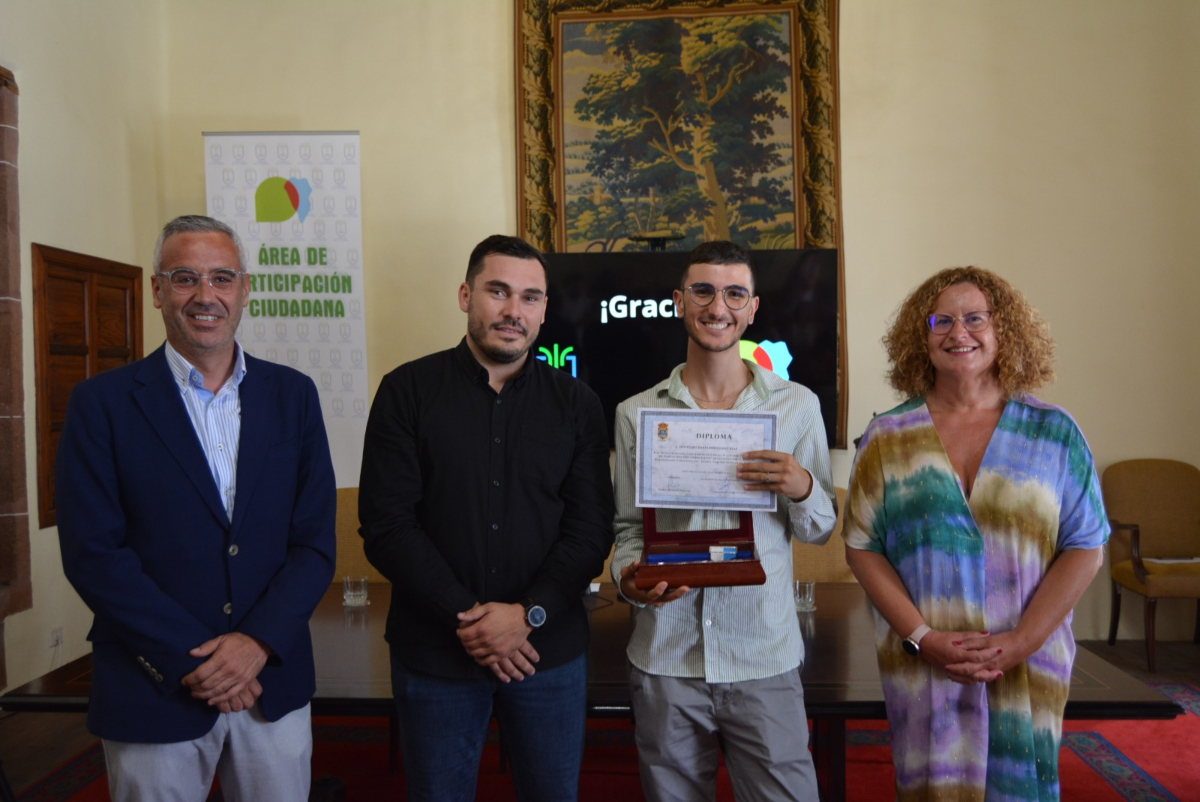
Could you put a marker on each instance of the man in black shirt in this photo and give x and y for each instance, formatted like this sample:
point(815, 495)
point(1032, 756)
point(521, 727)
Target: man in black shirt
point(485, 499)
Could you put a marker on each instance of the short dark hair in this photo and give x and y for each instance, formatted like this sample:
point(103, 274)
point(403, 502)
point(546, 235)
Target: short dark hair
point(720, 252)
point(505, 246)
point(197, 224)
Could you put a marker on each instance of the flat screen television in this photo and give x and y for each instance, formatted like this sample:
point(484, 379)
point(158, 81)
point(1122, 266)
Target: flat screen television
point(610, 322)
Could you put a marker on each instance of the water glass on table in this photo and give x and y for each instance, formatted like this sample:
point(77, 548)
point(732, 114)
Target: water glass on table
point(354, 591)
point(805, 595)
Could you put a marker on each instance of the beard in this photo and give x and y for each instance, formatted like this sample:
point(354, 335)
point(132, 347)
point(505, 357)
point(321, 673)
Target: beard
point(500, 354)
point(692, 328)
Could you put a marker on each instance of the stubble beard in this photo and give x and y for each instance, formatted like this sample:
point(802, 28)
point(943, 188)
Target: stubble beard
point(502, 356)
point(693, 330)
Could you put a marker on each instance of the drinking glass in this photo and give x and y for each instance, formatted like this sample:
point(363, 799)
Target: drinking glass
point(354, 591)
point(805, 595)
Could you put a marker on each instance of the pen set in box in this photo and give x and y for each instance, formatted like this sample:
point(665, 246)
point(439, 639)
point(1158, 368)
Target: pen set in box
point(714, 554)
point(697, 559)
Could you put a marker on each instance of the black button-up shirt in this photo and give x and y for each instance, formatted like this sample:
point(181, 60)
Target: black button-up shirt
point(468, 495)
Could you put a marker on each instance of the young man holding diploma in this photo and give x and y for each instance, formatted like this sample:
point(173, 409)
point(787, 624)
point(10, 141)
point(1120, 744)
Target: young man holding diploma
point(724, 661)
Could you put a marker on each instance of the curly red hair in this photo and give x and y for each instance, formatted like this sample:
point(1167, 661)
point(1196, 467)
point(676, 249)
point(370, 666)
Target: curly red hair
point(1024, 353)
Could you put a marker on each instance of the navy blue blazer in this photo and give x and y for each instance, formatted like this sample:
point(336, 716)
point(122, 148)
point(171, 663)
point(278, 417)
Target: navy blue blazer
point(147, 543)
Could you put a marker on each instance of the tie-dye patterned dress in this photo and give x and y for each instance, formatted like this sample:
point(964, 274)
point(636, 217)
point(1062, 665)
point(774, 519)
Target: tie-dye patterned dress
point(974, 565)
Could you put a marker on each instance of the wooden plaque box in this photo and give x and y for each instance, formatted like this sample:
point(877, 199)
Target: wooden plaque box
point(703, 573)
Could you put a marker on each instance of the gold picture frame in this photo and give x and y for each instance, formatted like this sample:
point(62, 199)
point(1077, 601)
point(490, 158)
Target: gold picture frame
point(813, 92)
point(808, 32)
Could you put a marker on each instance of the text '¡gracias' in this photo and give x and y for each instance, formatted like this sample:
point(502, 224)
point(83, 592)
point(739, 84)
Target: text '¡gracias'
point(620, 307)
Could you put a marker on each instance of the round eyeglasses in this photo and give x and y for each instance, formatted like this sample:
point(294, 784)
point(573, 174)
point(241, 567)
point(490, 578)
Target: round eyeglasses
point(704, 294)
point(972, 322)
point(185, 281)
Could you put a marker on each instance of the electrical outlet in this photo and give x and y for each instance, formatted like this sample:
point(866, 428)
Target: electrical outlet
point(56, 637)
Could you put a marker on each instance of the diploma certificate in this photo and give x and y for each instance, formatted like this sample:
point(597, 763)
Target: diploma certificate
point(687, 459)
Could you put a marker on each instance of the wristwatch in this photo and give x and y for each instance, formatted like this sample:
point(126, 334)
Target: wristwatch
point(912, 644)
point(535, 614)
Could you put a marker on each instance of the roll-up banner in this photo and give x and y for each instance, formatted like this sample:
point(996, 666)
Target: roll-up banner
point(295, 201)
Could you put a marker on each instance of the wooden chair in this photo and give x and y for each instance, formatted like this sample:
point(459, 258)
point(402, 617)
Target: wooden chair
point(1154, 508)
point(351, 561)
point(824, 563)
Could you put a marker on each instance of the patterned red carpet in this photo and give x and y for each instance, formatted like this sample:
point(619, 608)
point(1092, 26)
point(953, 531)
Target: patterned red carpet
point(1101, 761)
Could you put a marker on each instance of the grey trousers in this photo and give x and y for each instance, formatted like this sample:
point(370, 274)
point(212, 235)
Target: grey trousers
point(258, 760)
point(760, 724)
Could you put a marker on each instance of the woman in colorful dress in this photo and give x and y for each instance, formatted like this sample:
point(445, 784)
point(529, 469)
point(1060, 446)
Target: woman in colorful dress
point(974, 523)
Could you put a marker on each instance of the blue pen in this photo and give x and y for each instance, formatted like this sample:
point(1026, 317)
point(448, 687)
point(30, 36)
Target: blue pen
point(693, 557)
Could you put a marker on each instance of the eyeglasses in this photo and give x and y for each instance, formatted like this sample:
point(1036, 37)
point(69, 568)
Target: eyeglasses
point(185, 281)
point(972, 322)
point(704, 294)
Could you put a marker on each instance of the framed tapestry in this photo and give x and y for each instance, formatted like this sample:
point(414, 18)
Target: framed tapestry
point(653, 121)
point(702, 120)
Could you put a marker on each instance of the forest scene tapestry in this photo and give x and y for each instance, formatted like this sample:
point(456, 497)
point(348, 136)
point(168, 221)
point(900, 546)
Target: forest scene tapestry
point(678, 120)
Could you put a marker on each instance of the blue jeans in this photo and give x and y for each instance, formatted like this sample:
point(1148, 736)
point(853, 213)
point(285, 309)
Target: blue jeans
point(444, 722)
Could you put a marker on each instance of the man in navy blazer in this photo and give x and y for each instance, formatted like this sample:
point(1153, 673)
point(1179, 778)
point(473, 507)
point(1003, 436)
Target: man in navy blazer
point(196, 504)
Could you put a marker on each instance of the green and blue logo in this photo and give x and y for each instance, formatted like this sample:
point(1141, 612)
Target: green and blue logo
point(560, 359)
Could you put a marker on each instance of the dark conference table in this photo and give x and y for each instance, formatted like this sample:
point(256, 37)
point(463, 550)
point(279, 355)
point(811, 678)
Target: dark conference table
point(841, 676)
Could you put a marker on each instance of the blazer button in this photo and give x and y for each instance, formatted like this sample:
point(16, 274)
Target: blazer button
point(233, 550)
point(228, 608)
point(141, 660)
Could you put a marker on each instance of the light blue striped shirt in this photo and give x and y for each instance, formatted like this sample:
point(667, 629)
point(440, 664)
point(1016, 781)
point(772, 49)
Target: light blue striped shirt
point(217, 418)
point(730, 634)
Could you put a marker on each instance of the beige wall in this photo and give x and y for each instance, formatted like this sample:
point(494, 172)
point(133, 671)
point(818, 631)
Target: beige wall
point(90, 103)
point(428, 83)
point(1058, 144)
point(1053, 142)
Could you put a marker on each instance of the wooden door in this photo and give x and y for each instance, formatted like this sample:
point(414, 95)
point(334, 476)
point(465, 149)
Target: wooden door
point(87, 319)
